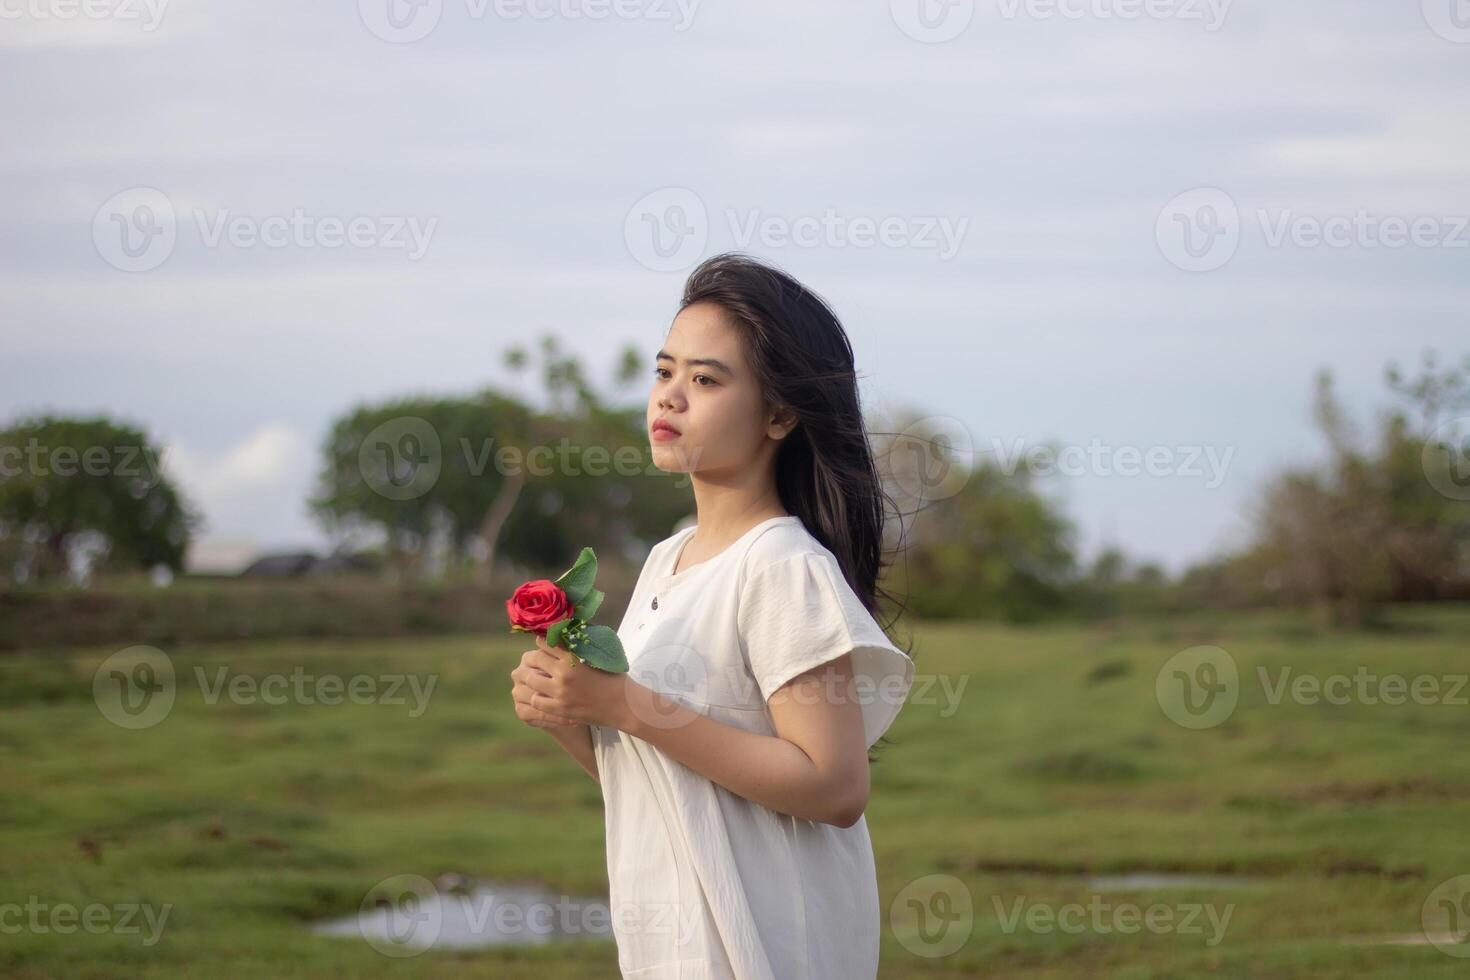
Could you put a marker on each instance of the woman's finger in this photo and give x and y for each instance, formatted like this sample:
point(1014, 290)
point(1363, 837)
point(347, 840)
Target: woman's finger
point(537, 702)
point(537, 681)
point(543, 661)
point(527, 711)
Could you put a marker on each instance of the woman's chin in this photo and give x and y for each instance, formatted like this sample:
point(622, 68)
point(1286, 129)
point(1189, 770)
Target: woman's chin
point(671, 457)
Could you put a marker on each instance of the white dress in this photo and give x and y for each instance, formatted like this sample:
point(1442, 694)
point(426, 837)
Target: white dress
point(705, 884)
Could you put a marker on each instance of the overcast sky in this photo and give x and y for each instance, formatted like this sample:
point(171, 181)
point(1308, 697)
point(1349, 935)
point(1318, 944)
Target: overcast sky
point(1087, 221)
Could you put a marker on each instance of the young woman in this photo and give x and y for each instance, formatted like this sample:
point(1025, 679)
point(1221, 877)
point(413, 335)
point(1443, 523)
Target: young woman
point(733, 757)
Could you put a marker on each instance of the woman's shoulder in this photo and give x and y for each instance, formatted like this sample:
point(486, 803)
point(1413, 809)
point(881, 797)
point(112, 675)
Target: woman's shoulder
point(665, 544)
point(779, 542)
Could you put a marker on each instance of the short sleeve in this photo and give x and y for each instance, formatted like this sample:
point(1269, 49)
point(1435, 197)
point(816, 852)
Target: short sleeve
point(798, 613)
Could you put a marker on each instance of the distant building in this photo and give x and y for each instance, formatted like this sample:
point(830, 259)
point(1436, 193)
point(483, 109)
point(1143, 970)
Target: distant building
point(292, 564)
point(237, 557)
point(282, 565)
point(220, 556)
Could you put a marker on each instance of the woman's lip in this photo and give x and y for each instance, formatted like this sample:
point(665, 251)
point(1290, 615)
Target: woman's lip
point(664, 427)
point(664, 433)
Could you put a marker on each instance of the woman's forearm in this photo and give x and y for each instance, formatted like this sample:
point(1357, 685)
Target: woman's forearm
point(764, 769)
point(577, 740)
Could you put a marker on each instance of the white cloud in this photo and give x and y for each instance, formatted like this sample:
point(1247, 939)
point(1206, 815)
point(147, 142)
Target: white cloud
point(1430, 142)
point(269, 460)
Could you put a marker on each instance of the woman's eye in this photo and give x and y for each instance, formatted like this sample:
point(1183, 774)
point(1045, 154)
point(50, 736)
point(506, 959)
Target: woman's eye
point(658, 372)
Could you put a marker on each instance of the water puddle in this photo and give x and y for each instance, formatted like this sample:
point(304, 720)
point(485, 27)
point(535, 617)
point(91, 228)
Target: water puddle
point(407, 915)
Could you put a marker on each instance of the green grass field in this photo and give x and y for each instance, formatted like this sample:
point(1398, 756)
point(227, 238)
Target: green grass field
point(1056, 762)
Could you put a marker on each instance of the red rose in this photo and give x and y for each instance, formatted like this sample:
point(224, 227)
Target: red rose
point(537, 605)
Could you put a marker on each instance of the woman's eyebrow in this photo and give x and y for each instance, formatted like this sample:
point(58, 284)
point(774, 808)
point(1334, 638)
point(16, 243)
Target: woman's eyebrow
point(710, 361)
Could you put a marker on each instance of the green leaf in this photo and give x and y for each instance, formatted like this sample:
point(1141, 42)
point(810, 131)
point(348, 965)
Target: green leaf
point(555, 630)
point(587, 608)
point(577, 581)
point(602, 649)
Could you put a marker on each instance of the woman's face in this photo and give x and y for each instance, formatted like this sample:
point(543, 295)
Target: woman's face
point(705, 389)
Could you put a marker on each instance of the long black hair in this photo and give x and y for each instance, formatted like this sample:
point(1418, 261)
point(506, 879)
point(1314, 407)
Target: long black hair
point(826, 473)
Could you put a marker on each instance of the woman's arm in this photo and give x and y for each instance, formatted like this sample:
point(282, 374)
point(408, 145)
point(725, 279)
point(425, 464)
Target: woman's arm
point(815, 767)
point(577, 740)
point(573, 736)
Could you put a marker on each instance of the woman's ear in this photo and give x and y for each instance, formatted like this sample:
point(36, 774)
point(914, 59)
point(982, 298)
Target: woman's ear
point(781, 422)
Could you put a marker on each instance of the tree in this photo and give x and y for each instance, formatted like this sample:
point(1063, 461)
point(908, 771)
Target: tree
point(65, 481)
point(488, 476)
point(982, 541)
point(1381, 521)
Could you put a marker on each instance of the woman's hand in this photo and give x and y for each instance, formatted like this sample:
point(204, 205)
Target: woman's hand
point(574, 693)
point(523, 694)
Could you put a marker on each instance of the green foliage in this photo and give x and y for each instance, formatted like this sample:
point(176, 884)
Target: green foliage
point(997, 549)
point(65, 479)
point(531, 485)
point(601, 647)
point(577, 581)
point(1385, 519)
point(597, 645)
